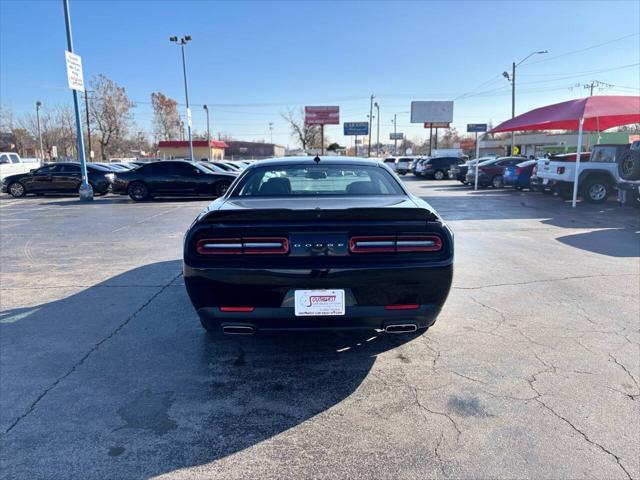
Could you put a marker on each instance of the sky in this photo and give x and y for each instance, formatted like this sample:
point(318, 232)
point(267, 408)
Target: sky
point(251, 61)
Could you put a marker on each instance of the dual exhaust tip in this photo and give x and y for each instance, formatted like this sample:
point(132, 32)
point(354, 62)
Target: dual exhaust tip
point(247, 330)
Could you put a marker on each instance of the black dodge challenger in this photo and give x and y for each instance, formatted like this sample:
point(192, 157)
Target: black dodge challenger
point(327, 243)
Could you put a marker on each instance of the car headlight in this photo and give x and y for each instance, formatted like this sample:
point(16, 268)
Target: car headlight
point(110, 176)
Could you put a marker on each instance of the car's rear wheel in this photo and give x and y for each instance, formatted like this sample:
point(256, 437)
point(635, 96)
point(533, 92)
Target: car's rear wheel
point(438, 175)
point(17, 190)
point(221, 188)
point(596, 190)
point(138, 191)
point(497, 181)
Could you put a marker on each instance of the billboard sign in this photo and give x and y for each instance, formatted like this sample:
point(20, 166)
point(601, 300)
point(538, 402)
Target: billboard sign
point(356, 128)
point(396, 136)
point(432, 112)
point(476, 127)
point(322, 115)
point(74, 71)
point(437, 125)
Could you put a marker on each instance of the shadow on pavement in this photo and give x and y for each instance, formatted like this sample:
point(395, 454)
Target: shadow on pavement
point(611, 242)
point(92, 389)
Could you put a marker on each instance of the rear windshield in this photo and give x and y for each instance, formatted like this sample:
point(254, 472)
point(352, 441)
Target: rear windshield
point(313, 180)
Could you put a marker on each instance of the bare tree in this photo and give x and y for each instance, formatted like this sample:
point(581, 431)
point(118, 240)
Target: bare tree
point(166, 119)
point(110, 113)
point(308, 136)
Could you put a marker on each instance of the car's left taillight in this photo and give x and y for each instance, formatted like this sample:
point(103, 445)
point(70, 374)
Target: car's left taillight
point(244, 245)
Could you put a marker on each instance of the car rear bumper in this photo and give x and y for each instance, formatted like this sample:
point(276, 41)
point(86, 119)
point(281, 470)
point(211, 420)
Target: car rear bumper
point(422, 288)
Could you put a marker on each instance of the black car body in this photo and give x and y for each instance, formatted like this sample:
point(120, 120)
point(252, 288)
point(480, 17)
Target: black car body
point(491, 171)
point(171, 178)
point(436, 168)
point(60, 177)
point(291, 231)
point(459, 171)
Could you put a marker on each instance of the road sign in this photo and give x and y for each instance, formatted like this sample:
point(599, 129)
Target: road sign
point(476, 127)
point(321, 115)
point(74, 71)
point(432, 112)
point(396, 136)
point(437, 125)
point(356, 128)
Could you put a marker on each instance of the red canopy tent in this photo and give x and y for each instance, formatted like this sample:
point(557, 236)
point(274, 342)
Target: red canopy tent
point(590, 114)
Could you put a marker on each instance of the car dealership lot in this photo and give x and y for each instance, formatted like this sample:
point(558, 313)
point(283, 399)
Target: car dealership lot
point(531, 371)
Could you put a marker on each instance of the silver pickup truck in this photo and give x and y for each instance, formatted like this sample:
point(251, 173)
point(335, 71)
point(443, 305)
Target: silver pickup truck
point(598, 177)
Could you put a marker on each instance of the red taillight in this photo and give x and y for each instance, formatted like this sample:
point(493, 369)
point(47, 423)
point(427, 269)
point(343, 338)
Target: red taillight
point(560, 170)
point(245, 245)
point(400, 243)
point(418, 243)
point(408, 306)
point(372, 244)
point(237, 309)
point(518, 171)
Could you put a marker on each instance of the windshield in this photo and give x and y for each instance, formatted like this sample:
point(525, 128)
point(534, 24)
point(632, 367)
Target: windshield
point(312, 180)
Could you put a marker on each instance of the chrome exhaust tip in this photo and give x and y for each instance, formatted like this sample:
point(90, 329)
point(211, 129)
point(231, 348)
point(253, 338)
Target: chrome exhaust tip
point(401, 328)
point(237, 330)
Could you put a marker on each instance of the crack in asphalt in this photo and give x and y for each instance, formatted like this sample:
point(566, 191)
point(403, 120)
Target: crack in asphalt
point(629, 374)
point(548, 280)
point(538, 399)
point(88, 354)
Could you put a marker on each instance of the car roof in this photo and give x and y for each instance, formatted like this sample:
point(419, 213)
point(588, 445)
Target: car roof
point(308, 160)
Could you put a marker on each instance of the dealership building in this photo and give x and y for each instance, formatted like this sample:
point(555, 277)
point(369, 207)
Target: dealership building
point(237, 150)
point(215, 150)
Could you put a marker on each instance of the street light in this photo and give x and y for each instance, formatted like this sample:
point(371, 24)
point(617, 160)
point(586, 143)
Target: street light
point(182, 42)
point(38, 105)
point(513, 88)
point(377, 130)
point(370, 124)
point(206, 109)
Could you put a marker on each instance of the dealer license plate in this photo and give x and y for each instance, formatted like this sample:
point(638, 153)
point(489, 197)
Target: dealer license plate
point(316, 303)
point(545, 181)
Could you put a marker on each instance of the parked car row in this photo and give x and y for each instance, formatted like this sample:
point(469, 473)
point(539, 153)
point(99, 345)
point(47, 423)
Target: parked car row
point(603, 170)
point(434, 168)
point(139, 180)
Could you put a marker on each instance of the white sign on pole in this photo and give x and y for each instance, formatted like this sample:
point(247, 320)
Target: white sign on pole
point(74, 71)
point(432, 112)
point(54, 152)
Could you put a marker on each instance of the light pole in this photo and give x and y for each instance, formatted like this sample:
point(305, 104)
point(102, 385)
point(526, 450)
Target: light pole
point(370, 123)
point(182, 42)
point(271, 131)
point(38, 105)
point(395, 134)
point(85, 192)
point(206, 109)
point(377, 130)
point(513, 88)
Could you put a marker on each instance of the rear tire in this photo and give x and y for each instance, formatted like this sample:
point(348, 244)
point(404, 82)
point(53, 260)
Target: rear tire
point(497, 182)
point(138, 192)
point(17, 190)
point(596, 190)
point(438, 175)
point(629, 165)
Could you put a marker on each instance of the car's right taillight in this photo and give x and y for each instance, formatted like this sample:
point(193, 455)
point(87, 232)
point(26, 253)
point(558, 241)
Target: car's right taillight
point(399, 243)
point(560, 170)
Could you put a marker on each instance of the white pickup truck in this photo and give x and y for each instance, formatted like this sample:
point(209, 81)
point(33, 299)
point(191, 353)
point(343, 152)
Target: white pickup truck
point(598, 172)
point(11, 164)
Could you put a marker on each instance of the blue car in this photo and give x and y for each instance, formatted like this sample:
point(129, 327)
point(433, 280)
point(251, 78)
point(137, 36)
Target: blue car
point(519, 175)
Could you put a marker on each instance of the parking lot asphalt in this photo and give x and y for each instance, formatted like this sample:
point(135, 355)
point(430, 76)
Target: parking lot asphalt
point(531, 371)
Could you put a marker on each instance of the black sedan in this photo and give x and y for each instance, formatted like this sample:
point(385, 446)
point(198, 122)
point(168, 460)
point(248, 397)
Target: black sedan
point(304, 244)
point(171, 178)
point(62, 177)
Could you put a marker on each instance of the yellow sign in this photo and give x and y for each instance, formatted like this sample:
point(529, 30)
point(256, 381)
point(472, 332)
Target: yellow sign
point(516, 150)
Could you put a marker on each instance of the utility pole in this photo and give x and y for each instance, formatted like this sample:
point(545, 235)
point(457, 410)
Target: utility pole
point(370, 123)
point(271, 131)
point(377, 130)
point(182, 42)
point(395, 134)
point(86, 107)
point(206, 109)
point(85, 191)
point(38, 105)
point(512, 79)
point(596, 83)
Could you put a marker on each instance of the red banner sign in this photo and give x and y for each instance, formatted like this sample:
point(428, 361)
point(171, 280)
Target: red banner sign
point(322, 115)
